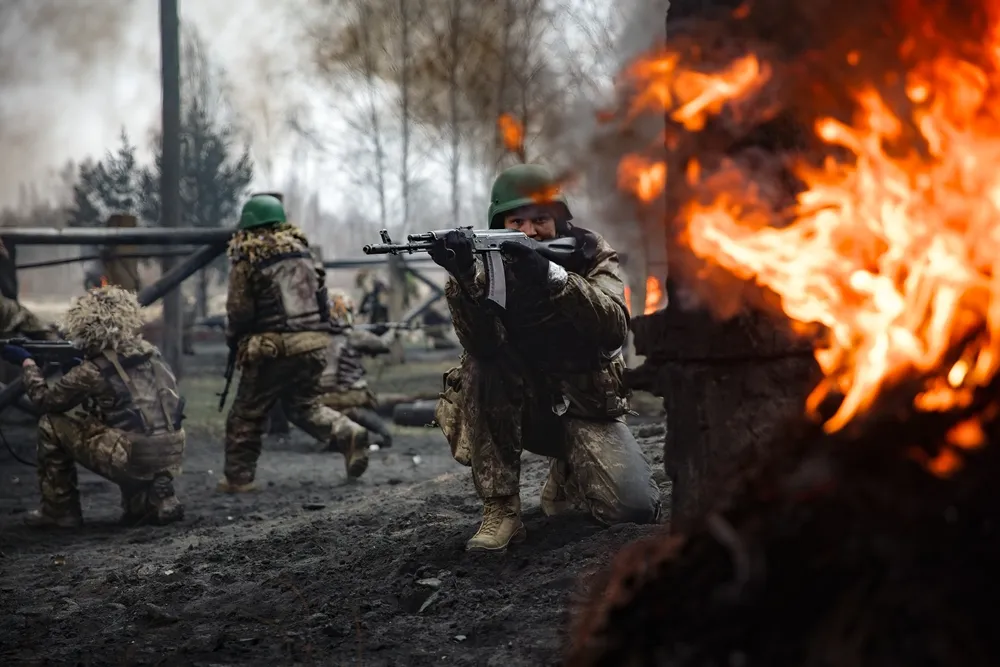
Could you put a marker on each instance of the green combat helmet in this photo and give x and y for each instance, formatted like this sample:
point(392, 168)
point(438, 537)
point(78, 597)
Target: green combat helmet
point(524, 185)
point(261, 210)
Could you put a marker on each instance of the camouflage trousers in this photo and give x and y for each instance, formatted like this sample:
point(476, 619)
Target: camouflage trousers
point(597, 464)
point(295, 382)
point(67, 439)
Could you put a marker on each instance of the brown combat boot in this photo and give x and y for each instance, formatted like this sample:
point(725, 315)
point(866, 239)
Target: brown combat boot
point(227, 485)
point(164, 505)
point(501, 525)
point(42, 519)
point(356, 454)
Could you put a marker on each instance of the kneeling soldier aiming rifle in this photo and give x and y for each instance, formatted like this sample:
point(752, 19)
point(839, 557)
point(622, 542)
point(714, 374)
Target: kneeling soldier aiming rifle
point(116, 412)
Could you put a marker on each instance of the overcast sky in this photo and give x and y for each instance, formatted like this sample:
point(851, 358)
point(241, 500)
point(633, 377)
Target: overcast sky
point(58, 104)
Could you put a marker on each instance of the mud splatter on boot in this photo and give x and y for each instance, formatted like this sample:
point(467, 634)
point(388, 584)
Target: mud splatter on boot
point(501, 525)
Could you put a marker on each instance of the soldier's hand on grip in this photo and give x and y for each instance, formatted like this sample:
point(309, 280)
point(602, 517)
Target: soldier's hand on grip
point(453, 252)
point(527, 265)
point(14, 354)
point(583, 256)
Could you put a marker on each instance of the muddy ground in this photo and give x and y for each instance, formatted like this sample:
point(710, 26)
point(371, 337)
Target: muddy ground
point(309, 570)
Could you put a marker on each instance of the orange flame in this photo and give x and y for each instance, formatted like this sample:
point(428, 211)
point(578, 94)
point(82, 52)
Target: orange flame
point(894, 250)
point(654, 296)
point(104, 281)
point(641, 177)
point(511, 132)
point(691, 97)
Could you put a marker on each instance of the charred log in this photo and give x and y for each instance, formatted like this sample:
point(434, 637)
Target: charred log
point(830, 551)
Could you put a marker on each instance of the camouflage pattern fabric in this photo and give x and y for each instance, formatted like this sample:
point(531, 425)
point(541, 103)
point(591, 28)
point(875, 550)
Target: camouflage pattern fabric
point(293, 380)
point(274, 284)
point(83, 407)
point(545, 375)
point(67, 440)
point(16, 320)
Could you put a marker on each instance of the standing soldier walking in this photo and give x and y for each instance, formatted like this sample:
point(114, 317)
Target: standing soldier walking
point(278, 321)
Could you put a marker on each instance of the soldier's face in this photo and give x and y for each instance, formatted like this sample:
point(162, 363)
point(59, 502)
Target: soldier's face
point(535, 222)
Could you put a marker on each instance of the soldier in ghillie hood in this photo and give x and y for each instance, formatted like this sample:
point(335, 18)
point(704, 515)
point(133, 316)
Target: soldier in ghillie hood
point(278, 320)
point(117, 413)
point(544, 374)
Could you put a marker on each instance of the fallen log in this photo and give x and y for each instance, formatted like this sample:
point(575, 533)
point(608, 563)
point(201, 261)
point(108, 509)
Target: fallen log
point(388, 401)
point(418, 413)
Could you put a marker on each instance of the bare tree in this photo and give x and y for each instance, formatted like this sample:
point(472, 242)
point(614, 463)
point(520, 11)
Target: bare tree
point(404, 89)
point(346, 50)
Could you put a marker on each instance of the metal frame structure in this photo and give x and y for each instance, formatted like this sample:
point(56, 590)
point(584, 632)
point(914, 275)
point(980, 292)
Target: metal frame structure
point(436, 292)
point(214, 240)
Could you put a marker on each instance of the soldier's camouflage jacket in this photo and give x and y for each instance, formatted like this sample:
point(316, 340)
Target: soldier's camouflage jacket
point(555, 348)
point(123, 384)
point(344, 367)
point(343, 381)
point(277, 302)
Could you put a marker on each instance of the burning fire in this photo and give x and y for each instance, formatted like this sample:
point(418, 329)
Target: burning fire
point(654, 296)
point(511, 132)
point(104, 281)
point(892, 247)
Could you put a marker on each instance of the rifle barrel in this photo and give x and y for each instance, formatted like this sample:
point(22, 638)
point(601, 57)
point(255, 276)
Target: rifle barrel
point(394, 248)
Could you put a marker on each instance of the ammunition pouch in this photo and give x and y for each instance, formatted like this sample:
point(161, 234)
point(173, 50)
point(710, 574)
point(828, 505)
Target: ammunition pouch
point(600, 394)
point(258, 347)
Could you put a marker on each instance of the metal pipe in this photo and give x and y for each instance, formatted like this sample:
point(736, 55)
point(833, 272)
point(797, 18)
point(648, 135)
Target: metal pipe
point(13, 393)
point(178, 274)
point(420, 309)
point(115, 235)
point(171, 252)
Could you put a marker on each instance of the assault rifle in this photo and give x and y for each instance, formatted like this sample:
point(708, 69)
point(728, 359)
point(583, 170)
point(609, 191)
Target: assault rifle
point(48, 353)
point(485, 242)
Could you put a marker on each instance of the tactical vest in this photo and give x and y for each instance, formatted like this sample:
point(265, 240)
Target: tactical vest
point(344, 369)
point(350, 369)
point(328, 381)
point(146, 407)
point(291, 296)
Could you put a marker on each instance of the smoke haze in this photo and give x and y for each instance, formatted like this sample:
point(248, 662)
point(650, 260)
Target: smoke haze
point(74, 73)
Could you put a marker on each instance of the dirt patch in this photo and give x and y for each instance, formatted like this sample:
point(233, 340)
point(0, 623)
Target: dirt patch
point(310, 569)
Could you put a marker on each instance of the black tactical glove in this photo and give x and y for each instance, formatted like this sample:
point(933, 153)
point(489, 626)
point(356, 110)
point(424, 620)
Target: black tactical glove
point(453, 253)
point(579, 262)
point(14, 354)
point(525, 264)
